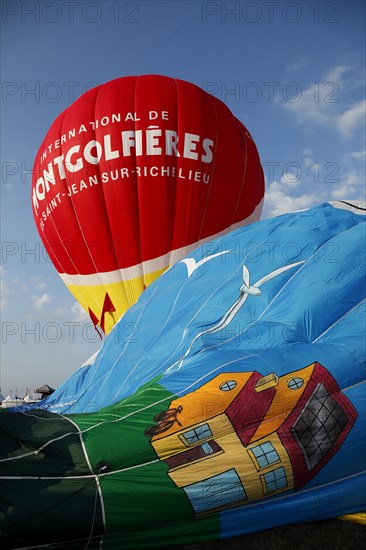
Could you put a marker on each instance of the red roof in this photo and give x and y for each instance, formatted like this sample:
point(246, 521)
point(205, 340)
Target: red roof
point(248, 409)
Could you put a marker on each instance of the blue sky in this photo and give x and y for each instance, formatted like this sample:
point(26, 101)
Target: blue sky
point(292, 72)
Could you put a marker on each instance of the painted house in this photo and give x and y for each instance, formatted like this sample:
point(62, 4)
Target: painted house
point(242, 436)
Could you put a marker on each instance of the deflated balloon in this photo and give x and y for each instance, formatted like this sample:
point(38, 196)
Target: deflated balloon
point(229, 399)
point(132, 176)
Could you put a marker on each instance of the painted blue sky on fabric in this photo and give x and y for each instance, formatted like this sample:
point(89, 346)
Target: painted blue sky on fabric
point(292, 72)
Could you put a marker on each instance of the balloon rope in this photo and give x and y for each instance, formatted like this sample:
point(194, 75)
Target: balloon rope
point(94, 516)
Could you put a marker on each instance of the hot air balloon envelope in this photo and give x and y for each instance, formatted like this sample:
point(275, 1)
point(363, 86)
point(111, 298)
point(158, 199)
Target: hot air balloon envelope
point(132, 176)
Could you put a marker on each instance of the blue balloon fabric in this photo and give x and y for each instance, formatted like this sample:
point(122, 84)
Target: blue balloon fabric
point(295, 286)
point(241, 371)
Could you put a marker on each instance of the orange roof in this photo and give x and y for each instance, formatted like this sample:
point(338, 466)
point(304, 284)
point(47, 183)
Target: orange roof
point(206, 402)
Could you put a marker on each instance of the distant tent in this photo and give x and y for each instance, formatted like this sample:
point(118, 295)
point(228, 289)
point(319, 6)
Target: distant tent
point(29, 399)
point(11, 398)
point(45, 390)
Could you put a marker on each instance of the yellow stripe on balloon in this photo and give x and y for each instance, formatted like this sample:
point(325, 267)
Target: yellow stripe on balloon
point(123, 295)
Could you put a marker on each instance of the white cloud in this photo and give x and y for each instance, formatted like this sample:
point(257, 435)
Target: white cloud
point(336, 74)
point(74, 313)
point(319, 104)
point(78, 313)
point(61, 312)
point(351, 186)
point(290, 178)
point(351, 119)
point(297, 65)
point(41, 285)
point(40, 301)
point(357, 155)
point(5, 291)
point(308, 158)
point(9, 286)
point(312, 186)
point(3, 304)
point(39, 282)
point(281, 198)
point(277, 200)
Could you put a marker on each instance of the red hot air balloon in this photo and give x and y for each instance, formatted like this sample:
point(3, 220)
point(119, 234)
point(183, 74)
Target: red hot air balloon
point(132, 176)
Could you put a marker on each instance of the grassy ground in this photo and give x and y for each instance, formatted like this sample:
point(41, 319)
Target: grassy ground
point(333, 534)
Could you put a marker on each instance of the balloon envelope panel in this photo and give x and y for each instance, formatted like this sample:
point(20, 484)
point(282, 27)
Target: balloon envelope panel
point(228, 400)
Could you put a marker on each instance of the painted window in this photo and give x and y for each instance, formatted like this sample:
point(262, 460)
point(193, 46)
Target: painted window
point(216, 491)
point(319, 425)
point(207, 449)
point(265, 454)
point(276, 479)
point(228, 385)
point(295, 383)
point(201, 432)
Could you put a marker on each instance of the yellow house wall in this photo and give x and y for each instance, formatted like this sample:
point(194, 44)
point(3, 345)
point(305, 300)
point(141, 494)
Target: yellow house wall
point(220, 426)
point(284, 461)
point(235, 456)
